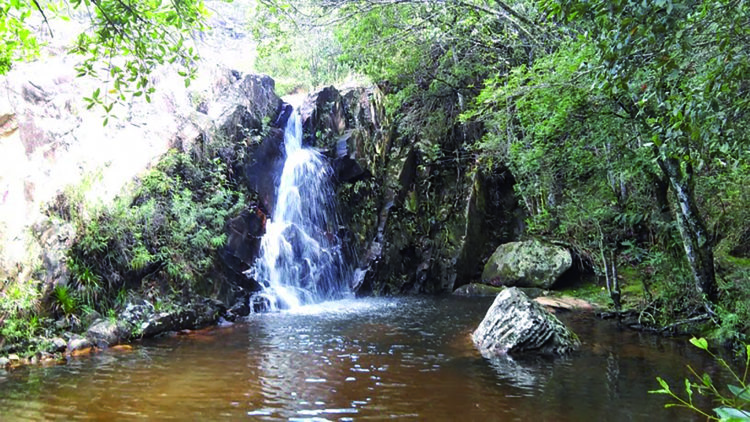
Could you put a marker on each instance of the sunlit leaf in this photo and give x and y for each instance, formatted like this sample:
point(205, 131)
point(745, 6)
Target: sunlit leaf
point(740, 393)
point(728, 414)
point(700, 343)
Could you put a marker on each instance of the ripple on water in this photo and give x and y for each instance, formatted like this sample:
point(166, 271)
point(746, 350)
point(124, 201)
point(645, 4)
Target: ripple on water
point(364, 359)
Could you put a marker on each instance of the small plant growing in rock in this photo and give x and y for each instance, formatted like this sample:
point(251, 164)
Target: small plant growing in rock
point(65, 300)
point(733, 405)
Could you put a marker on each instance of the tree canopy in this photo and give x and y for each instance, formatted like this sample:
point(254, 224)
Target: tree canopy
point(122, 41)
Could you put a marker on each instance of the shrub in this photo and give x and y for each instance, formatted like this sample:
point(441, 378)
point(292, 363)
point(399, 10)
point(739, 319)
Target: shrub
point(732, 405)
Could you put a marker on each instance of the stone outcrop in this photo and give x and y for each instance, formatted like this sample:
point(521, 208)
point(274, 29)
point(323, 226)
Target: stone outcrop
point(413, 226)
point(50, 141)
point(144, 320)
point(515, 324)
point(244, 233)
point(107, 332)
point(526, 264)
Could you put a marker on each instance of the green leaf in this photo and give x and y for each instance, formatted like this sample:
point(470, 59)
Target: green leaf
point(663, 384)
point(700, 343)
point(740, 393)
point(729, 414)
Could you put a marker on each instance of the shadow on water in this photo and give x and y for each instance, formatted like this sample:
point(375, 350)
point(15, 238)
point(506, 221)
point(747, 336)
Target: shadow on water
point(406, 358)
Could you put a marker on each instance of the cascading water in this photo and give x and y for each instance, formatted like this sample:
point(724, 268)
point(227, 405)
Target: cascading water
point(300, 258)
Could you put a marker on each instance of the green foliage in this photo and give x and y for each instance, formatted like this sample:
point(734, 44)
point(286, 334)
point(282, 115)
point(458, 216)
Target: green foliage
point(732, 405)
point(163, 237)
point(122, 43)
point(16, 40)
point(632, 100)
point(19, 316)
point(65, 300)
point(297, 52)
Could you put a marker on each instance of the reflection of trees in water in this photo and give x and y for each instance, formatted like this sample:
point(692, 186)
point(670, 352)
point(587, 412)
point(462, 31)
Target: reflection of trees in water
point(613, 376)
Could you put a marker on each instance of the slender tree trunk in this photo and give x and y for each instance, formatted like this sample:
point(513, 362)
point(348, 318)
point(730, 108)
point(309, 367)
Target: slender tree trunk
point(698, 247)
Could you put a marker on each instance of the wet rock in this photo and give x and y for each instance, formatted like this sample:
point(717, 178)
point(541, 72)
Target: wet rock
point(190, 316)
point(240, 309)
point(323, 118)
point(58, 344)
point(263, 166)
point(4, 362)
point(243, 240)
point(347, 164)
point(417, 227)
point(526, 264)
point(285, 112)
point(477, 289)
point(78, 344)
point(260, 303)
point(515, 324)
point(106, 332)
point(161, 322)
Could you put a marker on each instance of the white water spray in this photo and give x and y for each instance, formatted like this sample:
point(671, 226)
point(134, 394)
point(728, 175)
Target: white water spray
point(300, 258)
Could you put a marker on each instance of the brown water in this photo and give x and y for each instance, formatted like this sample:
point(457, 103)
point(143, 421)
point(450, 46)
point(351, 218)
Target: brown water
point(356, 360)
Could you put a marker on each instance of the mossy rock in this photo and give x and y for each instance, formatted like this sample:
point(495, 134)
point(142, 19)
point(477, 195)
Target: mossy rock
point(526, 264)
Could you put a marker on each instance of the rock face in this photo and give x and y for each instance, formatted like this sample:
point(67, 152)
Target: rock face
point(526, 264)
point(145, 321)
point(515, 324)
point(413, 226)
point(243, 242)
point(49, 141)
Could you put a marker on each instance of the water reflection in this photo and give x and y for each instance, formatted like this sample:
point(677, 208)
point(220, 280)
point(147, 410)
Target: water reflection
point(355, 360)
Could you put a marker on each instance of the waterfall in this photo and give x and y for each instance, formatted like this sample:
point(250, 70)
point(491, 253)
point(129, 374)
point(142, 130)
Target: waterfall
point(300, 258)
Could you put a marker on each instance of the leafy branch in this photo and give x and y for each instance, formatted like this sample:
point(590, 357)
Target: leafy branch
point(733, 406)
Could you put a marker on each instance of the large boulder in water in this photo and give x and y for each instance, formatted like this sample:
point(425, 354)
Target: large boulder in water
point(526, 264)
point(516, 324)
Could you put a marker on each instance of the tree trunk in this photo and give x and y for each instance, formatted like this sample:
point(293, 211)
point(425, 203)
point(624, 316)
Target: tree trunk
point(698, 247)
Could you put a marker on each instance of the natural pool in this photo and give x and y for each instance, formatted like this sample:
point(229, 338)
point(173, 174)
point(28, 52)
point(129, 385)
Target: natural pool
point(371, 359)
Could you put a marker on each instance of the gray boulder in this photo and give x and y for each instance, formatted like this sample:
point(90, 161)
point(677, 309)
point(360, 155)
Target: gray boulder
point(78, 344)
point(184, 316)
point(526, 264)
point(106, 332)
point(516, 324)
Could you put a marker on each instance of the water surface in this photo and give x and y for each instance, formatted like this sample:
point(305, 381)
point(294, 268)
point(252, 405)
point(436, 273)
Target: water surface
point(372, 359)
